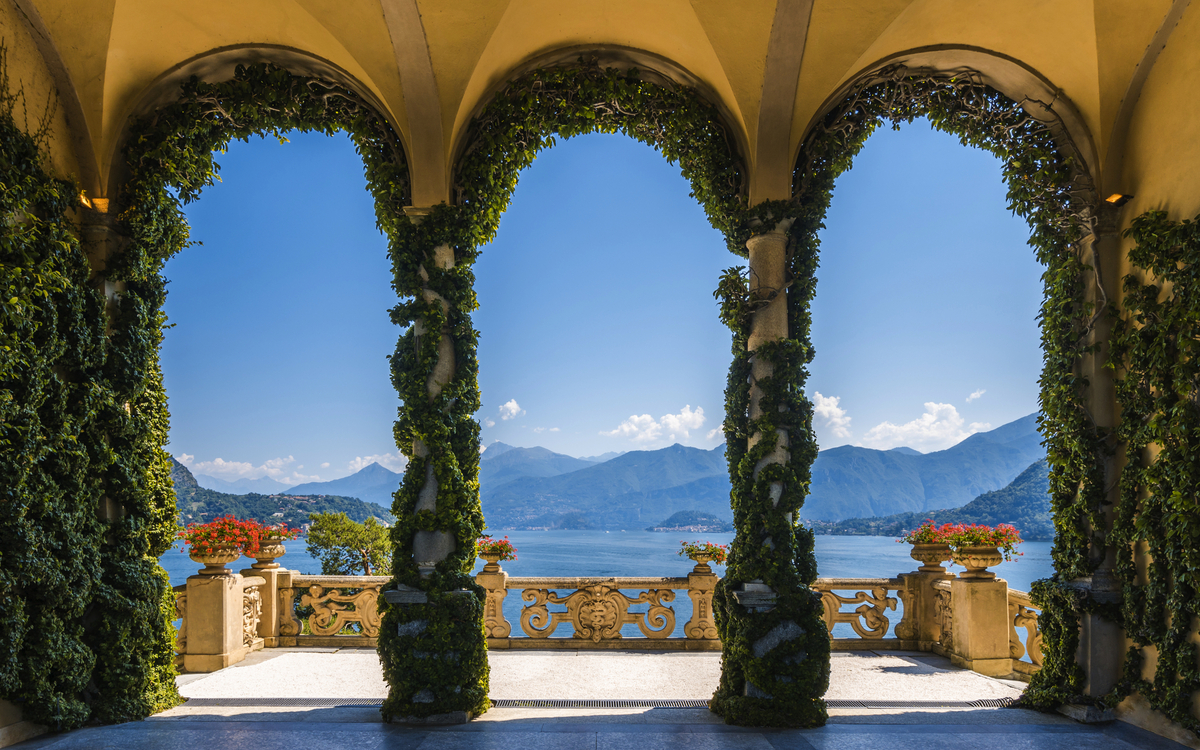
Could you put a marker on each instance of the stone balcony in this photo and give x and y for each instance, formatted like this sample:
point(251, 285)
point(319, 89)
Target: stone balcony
point(310, 697)
point(922, 660)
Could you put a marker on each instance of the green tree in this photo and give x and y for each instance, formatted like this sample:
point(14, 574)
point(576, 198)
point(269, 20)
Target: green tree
point(344, 546)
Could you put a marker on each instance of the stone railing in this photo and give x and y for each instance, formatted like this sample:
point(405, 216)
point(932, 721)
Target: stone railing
point(596, 611)
point(181, 634)
point(870, 602)
point(1023, 615)
point(977, 622)
point(336, 610)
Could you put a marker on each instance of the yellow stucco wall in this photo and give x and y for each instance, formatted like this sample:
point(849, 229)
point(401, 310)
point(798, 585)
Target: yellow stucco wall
point(28, 73)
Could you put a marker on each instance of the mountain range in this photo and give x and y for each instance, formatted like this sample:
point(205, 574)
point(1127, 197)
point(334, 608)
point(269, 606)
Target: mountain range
point(198, 504)
point(536, 488)
point(1025, 503)
point(848, 482)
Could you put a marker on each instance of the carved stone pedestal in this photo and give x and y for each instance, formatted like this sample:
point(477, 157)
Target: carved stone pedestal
point(223, 616)
point(981, 626)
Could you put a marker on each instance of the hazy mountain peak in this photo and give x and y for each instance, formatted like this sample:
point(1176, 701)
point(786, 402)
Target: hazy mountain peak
point(495, 449)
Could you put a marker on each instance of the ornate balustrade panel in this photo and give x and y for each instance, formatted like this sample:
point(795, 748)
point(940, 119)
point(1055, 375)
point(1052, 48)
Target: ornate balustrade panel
point(596, 609)
point(943, 608)
point(181, 634)
point(1023, 613)
point(329, 610)
point(869, 619)
point(251, 609)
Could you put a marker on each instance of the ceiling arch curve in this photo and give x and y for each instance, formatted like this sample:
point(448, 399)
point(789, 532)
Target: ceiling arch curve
point(1016, 80)
point(219, 65)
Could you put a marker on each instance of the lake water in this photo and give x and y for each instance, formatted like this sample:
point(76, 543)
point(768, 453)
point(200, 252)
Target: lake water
point(645, 553)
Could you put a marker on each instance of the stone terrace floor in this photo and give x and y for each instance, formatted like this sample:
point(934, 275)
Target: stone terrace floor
point(297, 699)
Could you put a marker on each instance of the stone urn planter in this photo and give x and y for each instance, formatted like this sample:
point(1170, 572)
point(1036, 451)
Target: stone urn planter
point(702, 559)
point(493, 562)
point(214, 562)
point(931, 556)
point(268, 549)
point(977, 560)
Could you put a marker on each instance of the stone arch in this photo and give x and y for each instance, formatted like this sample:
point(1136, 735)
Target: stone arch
point(166, 160)
point(1006, 75)
point(219, 65)
point(1052, 170)
point(652, 68)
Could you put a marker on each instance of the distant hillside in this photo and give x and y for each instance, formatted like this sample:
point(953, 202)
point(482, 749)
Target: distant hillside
point(623, 492)
point(264, 485)
point(603, 457)
point(633, 489)
point(1025, 504)
point(197, 504)
point(374, 484)
point(853, 482)
point(512, 463)
point(693, 521)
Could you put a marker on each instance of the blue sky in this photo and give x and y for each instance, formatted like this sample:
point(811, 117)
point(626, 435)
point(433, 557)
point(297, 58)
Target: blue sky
point(598, 329)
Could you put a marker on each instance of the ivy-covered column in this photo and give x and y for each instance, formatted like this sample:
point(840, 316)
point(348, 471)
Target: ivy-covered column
point(1101, 640)
point(775, 649)
point(431, 641)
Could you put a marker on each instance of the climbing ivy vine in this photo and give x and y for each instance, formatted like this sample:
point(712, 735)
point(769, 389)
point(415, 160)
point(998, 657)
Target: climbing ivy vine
point(445, 634)
point(53, 402)
point(170, 160)
point(1156, 354)
point(1048, 186)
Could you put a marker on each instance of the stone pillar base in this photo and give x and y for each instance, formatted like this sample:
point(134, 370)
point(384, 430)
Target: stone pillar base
point(981, 626)
point(454, 717)
point(13, 728)
point(988, 667)
point(213, 662)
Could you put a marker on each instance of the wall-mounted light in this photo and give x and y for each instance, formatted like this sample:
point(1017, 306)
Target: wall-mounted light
point(1118, 199)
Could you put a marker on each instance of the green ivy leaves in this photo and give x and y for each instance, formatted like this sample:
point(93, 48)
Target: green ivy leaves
point(1154, 351)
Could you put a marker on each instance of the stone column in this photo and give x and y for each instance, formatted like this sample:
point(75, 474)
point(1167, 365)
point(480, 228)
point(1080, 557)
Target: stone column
point(768, 279)
point(1102, 645)
point(100, 241)
point(431, 547)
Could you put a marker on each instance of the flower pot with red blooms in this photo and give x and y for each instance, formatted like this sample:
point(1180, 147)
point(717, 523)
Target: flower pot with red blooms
point(702, 553)
point(270, 546)
point(221, 541)
point(929, 546)
point(977, 547)
point(494, 551)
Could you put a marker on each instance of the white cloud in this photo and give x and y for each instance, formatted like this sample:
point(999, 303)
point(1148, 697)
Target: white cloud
point(489, 423)
point(546, 429)
point(279, 469)
point(976, 395)
point(325, 465)
point(940, 427)
point(393, 461)
point(826, 407)
point(716, 431)
point(511, 410)
point(645, 429)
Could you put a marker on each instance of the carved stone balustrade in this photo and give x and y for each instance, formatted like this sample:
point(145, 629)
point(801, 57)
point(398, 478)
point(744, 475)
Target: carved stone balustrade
point(595, 610)
point(221, 616)
point(869, 619)
point(181, 634)
point(329, 610)
point(1023, 614)
point(976, 623)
